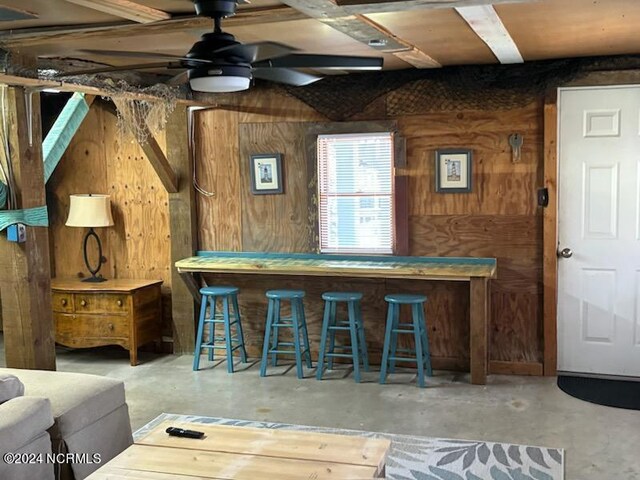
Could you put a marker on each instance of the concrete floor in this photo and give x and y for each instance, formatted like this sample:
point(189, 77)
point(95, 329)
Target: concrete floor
point(601, 442)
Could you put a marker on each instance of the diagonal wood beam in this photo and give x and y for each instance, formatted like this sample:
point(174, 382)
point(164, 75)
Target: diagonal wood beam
point(364, 30)
point(37, 36)
point(486, 23)
point(125, 9)
point(364, 7)
point(160, 164)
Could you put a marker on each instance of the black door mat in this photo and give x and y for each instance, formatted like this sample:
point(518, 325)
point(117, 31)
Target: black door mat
point(612, 393)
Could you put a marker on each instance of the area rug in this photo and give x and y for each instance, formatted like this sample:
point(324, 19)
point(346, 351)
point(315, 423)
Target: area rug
point(611, 393)
point(423, 458)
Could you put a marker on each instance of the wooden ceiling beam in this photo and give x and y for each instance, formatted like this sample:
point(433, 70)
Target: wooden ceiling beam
point(364, 7)
point(125, 9)
point(364, 30)
point(37, 36)
point(486, 23)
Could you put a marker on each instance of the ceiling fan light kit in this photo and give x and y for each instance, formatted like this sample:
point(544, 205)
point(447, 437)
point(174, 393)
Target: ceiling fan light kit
point(223, 79)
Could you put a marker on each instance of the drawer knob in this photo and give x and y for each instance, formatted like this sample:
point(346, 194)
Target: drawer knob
point(64, 302)
point(119, 302)
point(83, 303)
point(111, 326)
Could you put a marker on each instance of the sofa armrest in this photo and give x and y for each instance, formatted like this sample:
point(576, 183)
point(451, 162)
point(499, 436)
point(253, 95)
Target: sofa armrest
point(22, 420)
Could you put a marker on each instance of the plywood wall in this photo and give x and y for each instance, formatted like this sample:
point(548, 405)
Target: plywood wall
point(98, 160)
point(499, 219)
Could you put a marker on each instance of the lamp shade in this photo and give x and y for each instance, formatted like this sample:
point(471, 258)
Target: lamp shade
point(89, 211)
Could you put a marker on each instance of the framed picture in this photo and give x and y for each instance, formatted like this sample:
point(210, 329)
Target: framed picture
point(266, 174)
point(453, 170)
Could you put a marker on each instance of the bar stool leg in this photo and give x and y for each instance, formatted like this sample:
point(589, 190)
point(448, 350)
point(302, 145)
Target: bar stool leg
point(267, 337)
point(425, 343)
point(385, 348)
point(243, 350)
point(296, 337)
point(394, 337)
point(362, 342)
point(198, 349)
point(227, 333)
point(323, 339)
point(418, 339)
point(276, 331)
point(305, 334)
point(332, 335)
point(212, 327)
point(355, 349)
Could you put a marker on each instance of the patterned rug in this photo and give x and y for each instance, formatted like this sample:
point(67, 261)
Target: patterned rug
point(423, 458)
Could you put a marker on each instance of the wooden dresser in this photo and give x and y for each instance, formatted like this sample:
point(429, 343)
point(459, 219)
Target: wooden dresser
point(121, 312)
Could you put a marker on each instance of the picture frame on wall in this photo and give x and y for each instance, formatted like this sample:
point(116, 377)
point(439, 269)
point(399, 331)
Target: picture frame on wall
point(266, 174)
point(454, 170)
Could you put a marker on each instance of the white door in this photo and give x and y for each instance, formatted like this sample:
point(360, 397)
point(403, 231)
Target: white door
point(599, 221)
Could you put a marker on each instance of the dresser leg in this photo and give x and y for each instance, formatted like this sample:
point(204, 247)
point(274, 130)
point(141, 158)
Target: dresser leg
point(133, 356)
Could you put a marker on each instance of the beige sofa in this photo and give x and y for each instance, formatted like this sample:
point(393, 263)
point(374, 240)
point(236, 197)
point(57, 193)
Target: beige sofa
point(90, 417)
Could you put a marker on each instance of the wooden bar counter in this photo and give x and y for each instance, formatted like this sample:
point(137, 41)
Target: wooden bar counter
point(476, 271)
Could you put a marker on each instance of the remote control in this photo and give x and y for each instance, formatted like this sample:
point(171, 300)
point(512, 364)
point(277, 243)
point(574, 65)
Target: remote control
point(181, 432)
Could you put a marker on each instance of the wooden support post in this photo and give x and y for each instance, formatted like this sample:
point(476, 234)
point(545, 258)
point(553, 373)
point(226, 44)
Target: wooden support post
point(25, 275)
point(182, 224)
point(479, 329)
point(550, 236)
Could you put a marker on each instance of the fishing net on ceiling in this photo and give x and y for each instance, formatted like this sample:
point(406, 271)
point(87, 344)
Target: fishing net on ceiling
point(482, 87)
point(141, 111)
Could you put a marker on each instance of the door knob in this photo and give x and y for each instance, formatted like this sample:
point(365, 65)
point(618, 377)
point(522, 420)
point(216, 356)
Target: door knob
point(565, 253)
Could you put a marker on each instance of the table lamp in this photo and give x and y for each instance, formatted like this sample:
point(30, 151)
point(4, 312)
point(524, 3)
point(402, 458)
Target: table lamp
point(90, 211)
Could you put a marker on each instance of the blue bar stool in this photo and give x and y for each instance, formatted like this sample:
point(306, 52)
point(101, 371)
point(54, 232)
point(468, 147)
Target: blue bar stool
point(210, 296)
point(417, 328)
point(357, 351)
point(296, 321)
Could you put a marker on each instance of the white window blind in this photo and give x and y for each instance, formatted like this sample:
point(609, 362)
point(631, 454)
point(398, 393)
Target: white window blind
point(355, 190)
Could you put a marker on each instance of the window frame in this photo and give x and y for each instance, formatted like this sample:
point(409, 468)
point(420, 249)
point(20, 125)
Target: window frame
point(399, 180)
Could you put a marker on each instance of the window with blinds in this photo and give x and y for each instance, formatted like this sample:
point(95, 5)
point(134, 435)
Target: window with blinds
point(355, 191)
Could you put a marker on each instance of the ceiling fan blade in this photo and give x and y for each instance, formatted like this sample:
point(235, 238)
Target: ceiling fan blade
point(179, 79)
point(154, 55)
point(340, 62)
point(255, 52)
point(120, 68)
point(285, 75)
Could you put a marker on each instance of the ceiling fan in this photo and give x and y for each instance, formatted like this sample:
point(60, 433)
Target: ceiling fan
point(219, 63)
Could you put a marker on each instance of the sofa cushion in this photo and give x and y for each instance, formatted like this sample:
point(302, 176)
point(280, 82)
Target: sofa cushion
point(22, 420)
point(77, 399)
point(10, 387)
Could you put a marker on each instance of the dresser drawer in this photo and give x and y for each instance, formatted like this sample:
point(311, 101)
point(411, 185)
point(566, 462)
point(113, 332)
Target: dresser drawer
point(112, 303)
point(69, 326)
point(62, 302)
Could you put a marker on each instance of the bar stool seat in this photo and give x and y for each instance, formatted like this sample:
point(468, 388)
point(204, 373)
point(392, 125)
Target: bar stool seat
point(405, 298)
point(357, 350)
point(227, 318)
point(219, 290)
point(285, 294)
point(342, 296)
point(297, 322)
point(416, 328)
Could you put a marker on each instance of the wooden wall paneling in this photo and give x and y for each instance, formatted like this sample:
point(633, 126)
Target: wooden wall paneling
point(275, 223)
point(550, 242)
point(218, 172)
point(182, 228)
point(281, 107)
point(25, 277)
point(82, 169)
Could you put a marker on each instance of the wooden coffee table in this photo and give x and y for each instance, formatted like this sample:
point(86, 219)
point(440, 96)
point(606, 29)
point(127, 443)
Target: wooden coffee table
point(243, 453)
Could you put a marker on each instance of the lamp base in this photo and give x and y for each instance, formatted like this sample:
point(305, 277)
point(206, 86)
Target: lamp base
point(94, 279)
